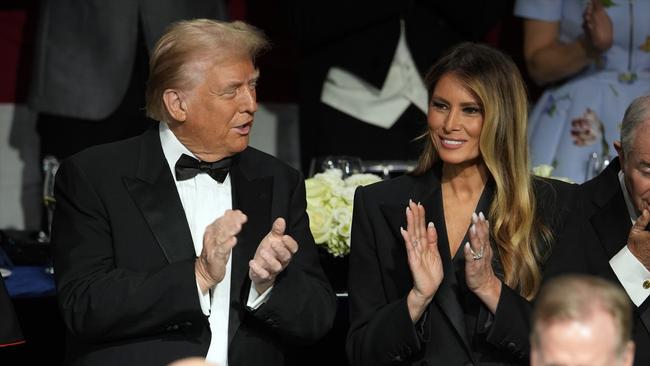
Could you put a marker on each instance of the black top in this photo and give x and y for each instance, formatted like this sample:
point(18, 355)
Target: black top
point(457, 329)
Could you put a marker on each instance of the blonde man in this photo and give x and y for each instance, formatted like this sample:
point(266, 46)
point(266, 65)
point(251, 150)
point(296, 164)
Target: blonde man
point(184, 241)
point(582, 320)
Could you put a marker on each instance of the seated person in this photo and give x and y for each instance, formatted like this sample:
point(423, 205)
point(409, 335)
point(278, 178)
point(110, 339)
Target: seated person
point(448, 282)
point(184, 241)
point(609, 237)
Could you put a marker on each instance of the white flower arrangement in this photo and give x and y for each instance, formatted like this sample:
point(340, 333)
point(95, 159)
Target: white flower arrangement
point(545, 170)
point(329, 206)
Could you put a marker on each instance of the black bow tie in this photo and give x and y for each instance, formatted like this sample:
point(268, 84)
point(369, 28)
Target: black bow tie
point(187, 168)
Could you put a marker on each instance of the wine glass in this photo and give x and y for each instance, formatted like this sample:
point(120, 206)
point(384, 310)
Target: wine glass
point(50, 167)
point(596, 164)
point(348, 164)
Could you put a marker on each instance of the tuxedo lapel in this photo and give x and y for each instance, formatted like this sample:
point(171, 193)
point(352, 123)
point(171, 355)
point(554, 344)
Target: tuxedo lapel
point(252, 195)
point(154, 192)
point(610, 219)
point(612, 225)
point(426, 190)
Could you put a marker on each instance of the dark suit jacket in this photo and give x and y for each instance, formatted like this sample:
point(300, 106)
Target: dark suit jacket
point(381, 331)
point(10, 332)
point(361, 37)
point(85, 50)
point(124, 261)
point(594, 236)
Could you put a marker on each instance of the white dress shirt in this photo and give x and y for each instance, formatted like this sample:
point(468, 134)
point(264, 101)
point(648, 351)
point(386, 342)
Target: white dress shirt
point(204, 200)
point(629, 270)
point(403, 85)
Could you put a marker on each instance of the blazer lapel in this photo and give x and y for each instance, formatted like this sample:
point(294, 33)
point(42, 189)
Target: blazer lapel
point(447, 296)
point(154, 192)
point(252, 195)
point(427, 191)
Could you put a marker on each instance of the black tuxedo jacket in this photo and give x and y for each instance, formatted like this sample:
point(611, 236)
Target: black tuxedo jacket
point(597, 234)
point(361, 37)
point(381, 331)
point(124, 261)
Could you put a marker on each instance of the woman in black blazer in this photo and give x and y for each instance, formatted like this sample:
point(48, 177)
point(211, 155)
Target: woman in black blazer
point(445, 260)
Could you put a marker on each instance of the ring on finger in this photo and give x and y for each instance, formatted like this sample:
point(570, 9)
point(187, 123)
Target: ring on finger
point(416, 243)
point(476, 255)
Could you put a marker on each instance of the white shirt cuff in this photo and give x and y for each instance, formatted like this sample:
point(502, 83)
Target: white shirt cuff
point(204, 300)
point(255, 300)
point(632, 275)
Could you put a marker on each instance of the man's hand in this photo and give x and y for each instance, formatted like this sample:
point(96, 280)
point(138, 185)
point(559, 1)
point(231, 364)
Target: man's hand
point(218, 240)
point(272, 256)
point(638, 242)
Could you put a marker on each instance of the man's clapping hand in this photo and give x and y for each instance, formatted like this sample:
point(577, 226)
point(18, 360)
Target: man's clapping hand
point(272, 256)
point(218, 240)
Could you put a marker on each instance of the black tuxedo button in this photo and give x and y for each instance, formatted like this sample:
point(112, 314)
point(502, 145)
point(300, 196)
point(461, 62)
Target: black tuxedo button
point(511, 346)
point(172, 327)
point(646, 284)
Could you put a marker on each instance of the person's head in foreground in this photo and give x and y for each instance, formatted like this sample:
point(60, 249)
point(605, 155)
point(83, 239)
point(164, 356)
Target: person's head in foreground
point(581, 320)
point(191, 361)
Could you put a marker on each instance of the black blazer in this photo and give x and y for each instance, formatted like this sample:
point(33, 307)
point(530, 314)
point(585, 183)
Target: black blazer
point(593, 236)
point(124, 261)
point(381, 330)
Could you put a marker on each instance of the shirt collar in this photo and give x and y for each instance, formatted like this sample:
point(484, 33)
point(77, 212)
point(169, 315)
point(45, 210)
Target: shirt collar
point(172, 147)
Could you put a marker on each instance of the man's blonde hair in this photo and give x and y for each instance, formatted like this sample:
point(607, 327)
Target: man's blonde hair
point(576, 297)
point(187, 43)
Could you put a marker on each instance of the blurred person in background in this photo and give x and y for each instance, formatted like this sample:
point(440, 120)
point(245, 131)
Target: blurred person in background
point(608, 236)
point(593, 57)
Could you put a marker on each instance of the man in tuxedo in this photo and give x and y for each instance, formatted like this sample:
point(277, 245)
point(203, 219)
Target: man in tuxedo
point(609, 238)
point(582, 320)
point(184, 241)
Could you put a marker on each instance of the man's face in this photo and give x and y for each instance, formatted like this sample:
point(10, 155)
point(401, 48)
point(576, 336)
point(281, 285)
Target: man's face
point(635, 165)
point(220, 108)
point(589, 342)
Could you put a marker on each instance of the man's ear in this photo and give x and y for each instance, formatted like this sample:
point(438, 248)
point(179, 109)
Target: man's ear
point(619, 150)
point(628, 354)
point(175, 105)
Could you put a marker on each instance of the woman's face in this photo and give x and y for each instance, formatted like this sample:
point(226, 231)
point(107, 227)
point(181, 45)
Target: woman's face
point(455, 121)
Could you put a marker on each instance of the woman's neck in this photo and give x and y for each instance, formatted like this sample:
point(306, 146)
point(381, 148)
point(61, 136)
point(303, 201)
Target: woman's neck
point(465, 180)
